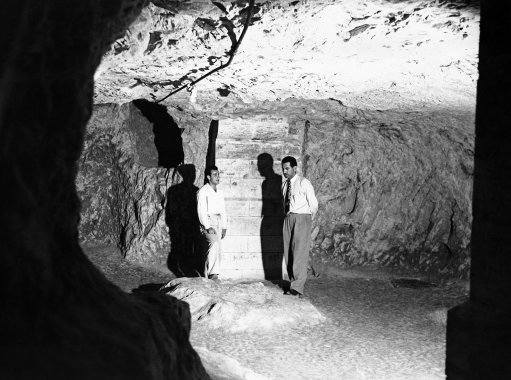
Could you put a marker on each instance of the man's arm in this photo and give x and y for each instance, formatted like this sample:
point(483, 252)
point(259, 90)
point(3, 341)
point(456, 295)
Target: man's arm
point(311, 197)
point(202, 209)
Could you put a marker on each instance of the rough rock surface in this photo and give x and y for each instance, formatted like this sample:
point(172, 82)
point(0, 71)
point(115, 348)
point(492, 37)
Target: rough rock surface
point(123, 182)
point(238, 305)
point(119, 181)
point(395, 188)
point(369, 54)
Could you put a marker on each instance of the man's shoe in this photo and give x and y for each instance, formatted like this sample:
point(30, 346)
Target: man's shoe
point(295, 293)
point(213, 277)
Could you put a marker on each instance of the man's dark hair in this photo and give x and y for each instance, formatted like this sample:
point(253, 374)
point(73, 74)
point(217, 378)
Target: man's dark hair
point(209, 169)
point(291, 160)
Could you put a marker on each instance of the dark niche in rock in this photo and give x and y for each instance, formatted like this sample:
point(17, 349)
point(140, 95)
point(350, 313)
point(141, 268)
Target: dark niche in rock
point(167, 135)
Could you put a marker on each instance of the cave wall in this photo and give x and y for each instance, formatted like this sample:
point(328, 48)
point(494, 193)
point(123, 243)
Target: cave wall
point(122, 184)
point(394, 186)
point(394, 189)
point(383, 95)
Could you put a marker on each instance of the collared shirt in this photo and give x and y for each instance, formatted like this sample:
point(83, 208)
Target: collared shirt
point(302, 199)
point(211, 202)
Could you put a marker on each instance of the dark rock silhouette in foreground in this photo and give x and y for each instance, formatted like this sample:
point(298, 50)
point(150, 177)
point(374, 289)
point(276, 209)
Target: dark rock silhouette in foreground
point(60, 317)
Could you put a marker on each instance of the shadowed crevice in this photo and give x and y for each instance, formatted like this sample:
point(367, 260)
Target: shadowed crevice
point(167, 134)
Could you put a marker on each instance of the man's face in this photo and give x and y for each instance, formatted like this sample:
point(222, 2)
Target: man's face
point(214, 177)
point(288, 171)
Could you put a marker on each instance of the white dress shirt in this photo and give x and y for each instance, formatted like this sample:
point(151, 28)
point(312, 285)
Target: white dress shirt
point(211, 202)
point(302, 199)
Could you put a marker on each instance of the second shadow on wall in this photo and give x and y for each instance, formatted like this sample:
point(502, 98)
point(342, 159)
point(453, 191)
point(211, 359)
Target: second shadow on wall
point(272, 218)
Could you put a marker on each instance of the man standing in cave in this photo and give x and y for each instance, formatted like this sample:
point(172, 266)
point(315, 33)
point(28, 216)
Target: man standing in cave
point(213, 220)
point(300, 207)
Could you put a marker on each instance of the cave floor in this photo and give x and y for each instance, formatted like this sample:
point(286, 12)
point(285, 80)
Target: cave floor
point(373, 330)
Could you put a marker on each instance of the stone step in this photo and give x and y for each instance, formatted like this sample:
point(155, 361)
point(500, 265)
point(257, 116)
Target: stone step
point(252, 244)
point(251, 149)
point(259, 127)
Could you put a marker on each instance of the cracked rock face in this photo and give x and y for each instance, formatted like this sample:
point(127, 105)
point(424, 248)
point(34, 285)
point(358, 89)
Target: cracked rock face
point(382, 94)
point(391, 192)
point(368, 54)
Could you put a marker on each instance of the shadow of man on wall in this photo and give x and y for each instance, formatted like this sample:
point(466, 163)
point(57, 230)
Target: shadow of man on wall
point(272, 217)
point(186, 258)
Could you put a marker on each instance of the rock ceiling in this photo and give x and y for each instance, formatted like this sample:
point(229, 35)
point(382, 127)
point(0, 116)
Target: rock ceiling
point(363, 53)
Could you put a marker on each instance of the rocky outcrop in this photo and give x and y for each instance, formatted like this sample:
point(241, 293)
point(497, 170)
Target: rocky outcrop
point(238, 305)
point(395, 189)
point(121, 186)
point(126, 168)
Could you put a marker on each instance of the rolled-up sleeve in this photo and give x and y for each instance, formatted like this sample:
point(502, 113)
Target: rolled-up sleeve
point(311, 196)
point(202, 209)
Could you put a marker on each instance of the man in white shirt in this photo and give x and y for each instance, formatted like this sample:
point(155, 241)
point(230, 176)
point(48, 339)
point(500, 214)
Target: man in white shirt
point(213, 220)
point(300, 207)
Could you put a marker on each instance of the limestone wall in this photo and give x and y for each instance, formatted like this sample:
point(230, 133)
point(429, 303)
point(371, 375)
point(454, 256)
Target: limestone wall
point(249, 150)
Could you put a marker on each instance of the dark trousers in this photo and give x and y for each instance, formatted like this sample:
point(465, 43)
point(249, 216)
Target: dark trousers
point(296, 232)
